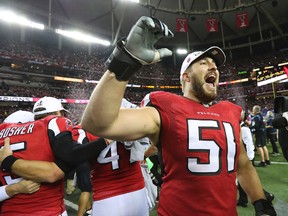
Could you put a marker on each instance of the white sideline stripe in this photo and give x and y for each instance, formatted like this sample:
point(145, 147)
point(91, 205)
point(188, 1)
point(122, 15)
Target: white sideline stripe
point(71, 204)
point(279, 163)
point(272, 162)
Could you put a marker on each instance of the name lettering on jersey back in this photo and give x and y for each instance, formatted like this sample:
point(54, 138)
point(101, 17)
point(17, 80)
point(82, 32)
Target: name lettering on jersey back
point(17, 130)
point(208, 113)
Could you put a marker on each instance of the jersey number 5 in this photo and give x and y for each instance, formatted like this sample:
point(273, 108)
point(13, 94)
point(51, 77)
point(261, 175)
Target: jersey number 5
point(20, 146)
point(197, 144)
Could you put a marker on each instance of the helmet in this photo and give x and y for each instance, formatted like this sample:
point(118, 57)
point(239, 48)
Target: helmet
point(19, 117)
point(47, 105)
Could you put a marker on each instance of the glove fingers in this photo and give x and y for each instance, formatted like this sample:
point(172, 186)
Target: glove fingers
point(159, 54)
point(146, 21)
point(166, 29)
point(170, 34)
point(156, 26)
point(164, 52)
point(162, 28)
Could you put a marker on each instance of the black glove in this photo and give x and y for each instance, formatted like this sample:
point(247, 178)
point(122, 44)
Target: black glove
point(264, 208)
point(154, 173)
point(138, 49)
point(156, 177)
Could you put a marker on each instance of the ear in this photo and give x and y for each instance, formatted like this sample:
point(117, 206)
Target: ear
point(186, 77)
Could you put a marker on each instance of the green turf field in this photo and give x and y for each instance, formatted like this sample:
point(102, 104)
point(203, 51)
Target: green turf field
point(274, 179)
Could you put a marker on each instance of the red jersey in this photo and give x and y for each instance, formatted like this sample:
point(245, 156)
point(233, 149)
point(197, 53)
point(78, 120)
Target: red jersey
point(199, 148)
point(112, 173)
point(31, 141)
point(81, 136)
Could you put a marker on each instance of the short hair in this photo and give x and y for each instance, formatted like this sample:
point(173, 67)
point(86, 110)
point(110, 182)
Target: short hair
point(41, 116)
point(257, 108)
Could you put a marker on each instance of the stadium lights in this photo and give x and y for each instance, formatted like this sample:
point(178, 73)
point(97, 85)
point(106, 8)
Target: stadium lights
point(182, 51)
point(91, 81)
point(284, 80)
point(284, 63)
point(82, 37)
point(68, 79)
point(10, 17)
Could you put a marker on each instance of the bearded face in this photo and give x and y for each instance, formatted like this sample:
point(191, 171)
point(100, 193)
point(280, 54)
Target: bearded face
point(204, 86)
point(203, 94)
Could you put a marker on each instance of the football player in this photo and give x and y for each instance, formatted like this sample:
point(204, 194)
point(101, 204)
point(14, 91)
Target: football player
point(44, 151)
point(23, 185)
point(199, 142)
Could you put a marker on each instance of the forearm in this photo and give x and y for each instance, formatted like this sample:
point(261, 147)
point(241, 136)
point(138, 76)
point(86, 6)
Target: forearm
point(69, 153)
point(250, 182)
point(39, 171)
point(248, 176)
point(84, 152)
point(11, 190)
point(106, 97)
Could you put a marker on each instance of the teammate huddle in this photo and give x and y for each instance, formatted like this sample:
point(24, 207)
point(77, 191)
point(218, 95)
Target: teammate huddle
point(53, 138)
point(199, 143)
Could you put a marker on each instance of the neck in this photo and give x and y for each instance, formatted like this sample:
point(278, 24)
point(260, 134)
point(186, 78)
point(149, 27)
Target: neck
point(191, 96)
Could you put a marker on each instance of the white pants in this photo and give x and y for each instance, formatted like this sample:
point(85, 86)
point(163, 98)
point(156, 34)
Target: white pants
point(129, 204)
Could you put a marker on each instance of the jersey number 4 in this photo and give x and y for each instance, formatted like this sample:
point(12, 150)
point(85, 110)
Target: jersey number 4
point(110, 155)
point(197, 144)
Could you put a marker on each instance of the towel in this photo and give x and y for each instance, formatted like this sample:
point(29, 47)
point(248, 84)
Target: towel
point(137, 148)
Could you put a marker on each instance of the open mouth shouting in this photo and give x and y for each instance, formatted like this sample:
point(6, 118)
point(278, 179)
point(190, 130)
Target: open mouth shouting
point(211, 80)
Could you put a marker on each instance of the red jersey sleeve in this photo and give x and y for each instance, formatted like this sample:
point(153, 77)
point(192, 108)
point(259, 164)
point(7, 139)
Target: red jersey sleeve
point(60, 124)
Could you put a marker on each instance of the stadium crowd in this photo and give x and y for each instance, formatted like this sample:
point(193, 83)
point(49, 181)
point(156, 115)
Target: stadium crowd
point(78, 63)
point(33, 59)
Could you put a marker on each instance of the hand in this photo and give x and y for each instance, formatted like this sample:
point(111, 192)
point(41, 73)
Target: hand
point(264, 208)
point(22, 187)
point(151, 150)
point(5, 151)
point(27, 186)
point(142, 38)
point(138, 49)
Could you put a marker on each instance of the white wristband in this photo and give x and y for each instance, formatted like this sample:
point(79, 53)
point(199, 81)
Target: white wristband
point(3, 194)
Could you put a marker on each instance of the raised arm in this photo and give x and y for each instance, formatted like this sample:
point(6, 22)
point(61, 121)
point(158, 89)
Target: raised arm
point(102, 115)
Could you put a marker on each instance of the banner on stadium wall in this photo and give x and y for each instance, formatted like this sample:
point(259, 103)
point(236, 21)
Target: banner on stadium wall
point(242, 20)
point(212, 25)
point(181, 25)
point(16, 99)
point(33, 99)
